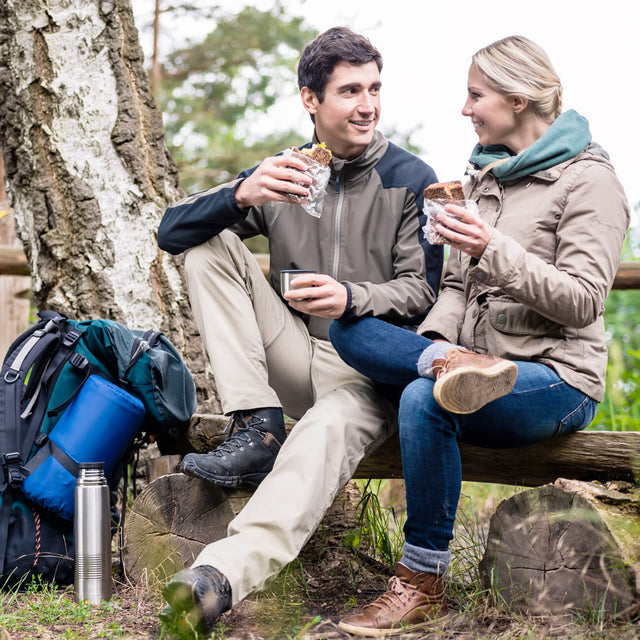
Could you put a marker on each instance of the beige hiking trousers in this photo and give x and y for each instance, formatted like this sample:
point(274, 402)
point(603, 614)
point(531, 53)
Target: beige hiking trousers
point(263, 356)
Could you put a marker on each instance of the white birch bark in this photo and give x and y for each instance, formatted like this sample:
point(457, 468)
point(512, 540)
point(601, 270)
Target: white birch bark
point(88, 172)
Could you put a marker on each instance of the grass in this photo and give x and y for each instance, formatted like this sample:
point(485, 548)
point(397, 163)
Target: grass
point(306, 600)
point(380, 526)
point(44, 608)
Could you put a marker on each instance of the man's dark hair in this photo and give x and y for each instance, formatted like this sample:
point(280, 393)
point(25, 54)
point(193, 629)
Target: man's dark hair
point(335, 45)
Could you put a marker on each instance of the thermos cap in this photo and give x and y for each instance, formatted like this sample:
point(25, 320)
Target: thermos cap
point(91, 465)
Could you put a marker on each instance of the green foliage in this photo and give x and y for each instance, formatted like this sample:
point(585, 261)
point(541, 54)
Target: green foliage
point(380, 527)
point(215, 89)
point(620, 410)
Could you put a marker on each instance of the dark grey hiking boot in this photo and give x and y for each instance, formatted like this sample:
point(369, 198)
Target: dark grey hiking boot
point(248, 453)
point(197, 598)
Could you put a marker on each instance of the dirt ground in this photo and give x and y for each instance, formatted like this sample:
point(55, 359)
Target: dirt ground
point(306, 602)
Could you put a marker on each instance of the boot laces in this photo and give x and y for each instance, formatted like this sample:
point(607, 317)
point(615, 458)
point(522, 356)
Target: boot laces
point(396, 597)
point(240, 428)
point(440, 366)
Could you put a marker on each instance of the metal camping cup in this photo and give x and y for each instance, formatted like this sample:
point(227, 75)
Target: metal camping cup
point(287, 275)
point(92, 534)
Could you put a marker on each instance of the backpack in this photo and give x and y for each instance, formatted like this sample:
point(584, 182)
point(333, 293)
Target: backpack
point(76, 375)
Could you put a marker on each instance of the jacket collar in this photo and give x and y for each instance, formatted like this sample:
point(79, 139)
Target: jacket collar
point(551, 174)
point(567, 136)
point(368, 159)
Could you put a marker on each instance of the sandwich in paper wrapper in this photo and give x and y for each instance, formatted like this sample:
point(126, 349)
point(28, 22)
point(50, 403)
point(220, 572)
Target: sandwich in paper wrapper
point(317, 158)
point(436, 196)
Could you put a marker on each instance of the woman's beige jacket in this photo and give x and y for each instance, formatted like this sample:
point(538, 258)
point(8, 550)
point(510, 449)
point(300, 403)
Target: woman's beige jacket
point(538, 291)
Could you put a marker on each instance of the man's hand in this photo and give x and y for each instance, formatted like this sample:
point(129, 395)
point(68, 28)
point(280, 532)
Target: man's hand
point(274, 179)
point(317, 294)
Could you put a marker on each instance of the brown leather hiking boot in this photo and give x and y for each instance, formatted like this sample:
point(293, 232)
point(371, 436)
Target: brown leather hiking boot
point(413, 601)
point(466, 381)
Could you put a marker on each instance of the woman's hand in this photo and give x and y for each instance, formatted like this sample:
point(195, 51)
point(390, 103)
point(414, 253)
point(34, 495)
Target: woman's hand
point(317, 294)
point(470, 234)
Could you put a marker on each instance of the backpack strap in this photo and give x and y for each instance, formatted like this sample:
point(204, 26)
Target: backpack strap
point(81, 363)
point(41, 354)
point(47, 382)
point(38, 356)
point(14, 372)
point(50, 448)
point(5, 514)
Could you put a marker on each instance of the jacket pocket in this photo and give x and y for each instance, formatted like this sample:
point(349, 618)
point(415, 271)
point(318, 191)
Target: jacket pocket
point(511, 317)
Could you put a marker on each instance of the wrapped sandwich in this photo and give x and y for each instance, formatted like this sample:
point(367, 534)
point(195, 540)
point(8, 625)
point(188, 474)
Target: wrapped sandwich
point(317, 157)
point(436, 196)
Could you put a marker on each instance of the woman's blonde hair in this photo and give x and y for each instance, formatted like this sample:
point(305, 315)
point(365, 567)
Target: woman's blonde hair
point(518, 66)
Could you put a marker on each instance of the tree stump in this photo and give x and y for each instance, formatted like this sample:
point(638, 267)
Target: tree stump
point(171, 521)
point(570, 546)
point(175, 516)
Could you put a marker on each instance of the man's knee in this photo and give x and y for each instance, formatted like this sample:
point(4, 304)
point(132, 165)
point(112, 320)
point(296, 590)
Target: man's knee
point(349, 418)
point(195, 259)
point(217, 250)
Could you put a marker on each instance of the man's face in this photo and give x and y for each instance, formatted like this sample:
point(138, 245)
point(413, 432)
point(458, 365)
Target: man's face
point(347, 117)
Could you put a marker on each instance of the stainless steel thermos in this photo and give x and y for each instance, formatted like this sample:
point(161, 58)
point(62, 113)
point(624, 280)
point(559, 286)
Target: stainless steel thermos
point(92, 532)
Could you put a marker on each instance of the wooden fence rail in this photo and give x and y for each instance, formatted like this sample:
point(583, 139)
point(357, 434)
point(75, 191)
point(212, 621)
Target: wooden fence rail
point(13, 262)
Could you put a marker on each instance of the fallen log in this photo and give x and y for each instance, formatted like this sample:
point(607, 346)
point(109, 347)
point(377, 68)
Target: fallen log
point(567, 547)
point(628, 276)
point(175, 516)
point(586, 455)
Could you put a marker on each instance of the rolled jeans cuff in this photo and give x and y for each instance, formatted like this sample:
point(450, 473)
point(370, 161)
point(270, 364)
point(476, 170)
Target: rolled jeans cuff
point(424, 560)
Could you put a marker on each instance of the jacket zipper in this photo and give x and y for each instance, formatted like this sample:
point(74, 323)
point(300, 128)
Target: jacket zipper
point(336, 240)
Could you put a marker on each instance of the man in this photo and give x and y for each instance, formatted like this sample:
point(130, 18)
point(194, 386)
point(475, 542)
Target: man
point(270, 352)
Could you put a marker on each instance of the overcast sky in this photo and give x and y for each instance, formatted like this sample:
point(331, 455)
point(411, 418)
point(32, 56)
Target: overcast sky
point(427, 46)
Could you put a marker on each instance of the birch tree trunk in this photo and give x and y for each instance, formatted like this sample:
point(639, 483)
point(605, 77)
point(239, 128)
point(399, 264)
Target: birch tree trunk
point(88, 171)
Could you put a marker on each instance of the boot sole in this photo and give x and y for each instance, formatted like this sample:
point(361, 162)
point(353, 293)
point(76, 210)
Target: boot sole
point(394, 631)
point(468, 389)
point(229, 482)
point(180, 597)
point(182, 614)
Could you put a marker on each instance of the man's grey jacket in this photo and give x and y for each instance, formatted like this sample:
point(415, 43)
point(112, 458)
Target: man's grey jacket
point(368, 237)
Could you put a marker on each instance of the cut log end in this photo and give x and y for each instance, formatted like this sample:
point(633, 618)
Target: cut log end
point(566, 548)
point(171, 521)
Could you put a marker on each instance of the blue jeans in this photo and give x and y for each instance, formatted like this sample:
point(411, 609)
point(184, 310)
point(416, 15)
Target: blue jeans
point(540, 406)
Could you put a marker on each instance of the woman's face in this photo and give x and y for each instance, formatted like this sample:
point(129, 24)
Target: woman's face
point(492, 114)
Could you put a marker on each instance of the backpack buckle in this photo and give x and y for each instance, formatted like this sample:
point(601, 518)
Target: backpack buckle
point(41, 439)
point(78, 361)
point(10, 458)
point(12, 469)
point(71, 337)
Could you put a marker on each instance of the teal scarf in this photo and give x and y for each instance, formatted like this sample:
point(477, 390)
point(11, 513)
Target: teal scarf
point(567, 136)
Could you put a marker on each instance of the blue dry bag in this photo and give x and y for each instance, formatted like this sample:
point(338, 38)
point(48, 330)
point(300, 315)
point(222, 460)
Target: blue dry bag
point(98, 425)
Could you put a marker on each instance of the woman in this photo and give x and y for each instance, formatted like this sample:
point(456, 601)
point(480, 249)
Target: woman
point(513, 351)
